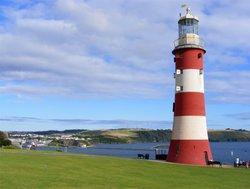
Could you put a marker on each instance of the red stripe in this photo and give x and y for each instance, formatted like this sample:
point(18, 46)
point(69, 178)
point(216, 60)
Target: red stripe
point(189, 152)
point(189, 58)
point(189, 104)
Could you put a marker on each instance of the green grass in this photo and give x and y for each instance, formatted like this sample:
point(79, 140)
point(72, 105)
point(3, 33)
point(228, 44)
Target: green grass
point(121, 132)
point(37, 169)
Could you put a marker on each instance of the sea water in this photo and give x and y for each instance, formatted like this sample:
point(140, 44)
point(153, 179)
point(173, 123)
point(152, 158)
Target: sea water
point(226, 152)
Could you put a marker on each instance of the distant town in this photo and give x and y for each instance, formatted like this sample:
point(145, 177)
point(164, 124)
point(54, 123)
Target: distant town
point(27, 140)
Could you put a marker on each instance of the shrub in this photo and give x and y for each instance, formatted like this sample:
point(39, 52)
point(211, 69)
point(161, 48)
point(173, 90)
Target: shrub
point(6, 142)
point(3, 135)
point(11, 147)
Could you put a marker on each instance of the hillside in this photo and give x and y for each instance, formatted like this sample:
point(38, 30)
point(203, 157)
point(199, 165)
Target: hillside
point(146, 135)
point(126, 136)
point(229, 135)
point(118, 136)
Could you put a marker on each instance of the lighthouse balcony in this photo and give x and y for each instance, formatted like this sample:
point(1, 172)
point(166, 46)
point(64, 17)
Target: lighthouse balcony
point(189, 42)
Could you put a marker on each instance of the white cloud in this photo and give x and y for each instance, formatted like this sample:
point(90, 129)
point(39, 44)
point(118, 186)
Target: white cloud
point(240, 116)
point(85, 123)
point(69, 49)
point(229, 86)
point(116, 48)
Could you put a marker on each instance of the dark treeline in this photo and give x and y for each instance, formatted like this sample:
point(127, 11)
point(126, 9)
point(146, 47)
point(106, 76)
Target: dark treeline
point(154, 136)
point(229, 136)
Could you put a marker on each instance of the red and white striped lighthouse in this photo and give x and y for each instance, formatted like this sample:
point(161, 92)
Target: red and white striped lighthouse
point(189, 143)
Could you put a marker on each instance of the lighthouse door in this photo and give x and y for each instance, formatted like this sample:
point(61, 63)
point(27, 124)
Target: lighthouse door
point(206, 157)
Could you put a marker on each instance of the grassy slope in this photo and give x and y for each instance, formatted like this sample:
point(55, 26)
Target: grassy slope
point(122, 133)
point(128, 135)
point(52, 170)
point(111, 136)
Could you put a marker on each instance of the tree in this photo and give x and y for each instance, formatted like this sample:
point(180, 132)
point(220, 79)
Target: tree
point(4, 141)
point(3, 135)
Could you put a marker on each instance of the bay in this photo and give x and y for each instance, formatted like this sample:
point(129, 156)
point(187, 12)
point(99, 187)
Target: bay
point(226, 152)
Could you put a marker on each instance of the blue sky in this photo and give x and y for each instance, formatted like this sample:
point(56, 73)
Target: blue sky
point(91, 64)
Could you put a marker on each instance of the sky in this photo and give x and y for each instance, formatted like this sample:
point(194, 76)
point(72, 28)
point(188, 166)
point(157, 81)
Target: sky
point(108, 64)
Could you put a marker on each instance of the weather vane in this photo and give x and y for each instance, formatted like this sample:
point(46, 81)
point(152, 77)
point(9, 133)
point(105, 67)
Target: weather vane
point(184, 6)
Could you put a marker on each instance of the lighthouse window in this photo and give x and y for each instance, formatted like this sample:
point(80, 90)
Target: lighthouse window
point(199, 55)
point(188, 26)
point(201, 71)
point(179, 88)
point(178, 71)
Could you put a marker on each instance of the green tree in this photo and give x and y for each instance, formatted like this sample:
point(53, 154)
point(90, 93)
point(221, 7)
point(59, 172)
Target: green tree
point(4, 141)
point(3, 135)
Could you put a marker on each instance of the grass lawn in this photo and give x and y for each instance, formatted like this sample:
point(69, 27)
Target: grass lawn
point(37, 169)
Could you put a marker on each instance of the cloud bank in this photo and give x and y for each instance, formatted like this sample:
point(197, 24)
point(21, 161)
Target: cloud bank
point(105, 49)
point(84, 123)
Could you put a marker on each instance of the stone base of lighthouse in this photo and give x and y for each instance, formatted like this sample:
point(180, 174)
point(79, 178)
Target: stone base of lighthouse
point(196, 152)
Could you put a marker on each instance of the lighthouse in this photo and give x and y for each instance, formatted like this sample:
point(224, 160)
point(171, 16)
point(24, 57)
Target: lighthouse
point(189, 143)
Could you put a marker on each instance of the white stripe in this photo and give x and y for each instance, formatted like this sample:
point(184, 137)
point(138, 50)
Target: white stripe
point(191, 80)
point(189, 128)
